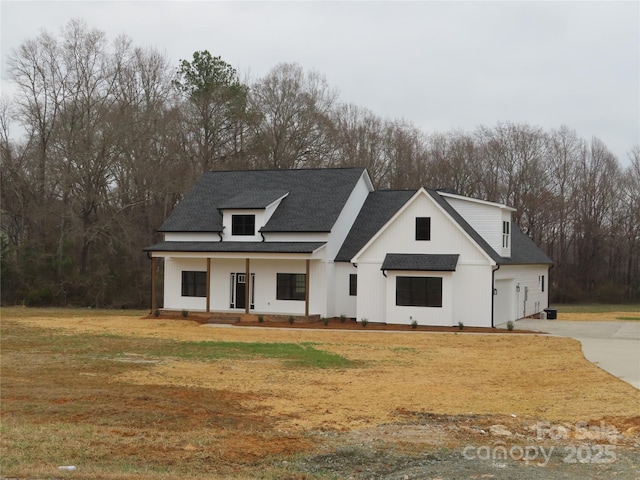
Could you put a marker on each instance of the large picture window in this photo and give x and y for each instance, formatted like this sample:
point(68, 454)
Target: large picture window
point(194, 284)
point(291, 286)
point(419, 291)
point(423, 228)
point(243, 224)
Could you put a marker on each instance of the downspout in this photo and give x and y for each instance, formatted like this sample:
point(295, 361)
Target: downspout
point(549, 284)
point(493, 288)
point(220, 233)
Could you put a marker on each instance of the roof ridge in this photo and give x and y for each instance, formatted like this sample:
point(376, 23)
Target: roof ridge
point(284, 169)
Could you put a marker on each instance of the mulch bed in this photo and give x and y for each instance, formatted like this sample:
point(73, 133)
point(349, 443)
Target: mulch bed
point(339, 324)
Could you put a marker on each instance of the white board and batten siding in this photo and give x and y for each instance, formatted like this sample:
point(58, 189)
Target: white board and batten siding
point(486, 218)
point(527, 291)
point(440, 316)
point(339, 302)
point(472, 292)
point(463, 300)
point(173, 268)
point(345, 304)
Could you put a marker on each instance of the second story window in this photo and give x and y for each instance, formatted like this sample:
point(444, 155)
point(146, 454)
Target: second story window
point(423, 228)
point(506, 230)
point(243, 225)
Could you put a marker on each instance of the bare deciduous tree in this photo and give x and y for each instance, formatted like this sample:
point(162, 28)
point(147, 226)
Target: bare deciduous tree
point(113, 136)
point(294, 123)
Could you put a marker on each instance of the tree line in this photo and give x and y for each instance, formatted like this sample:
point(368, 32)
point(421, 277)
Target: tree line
point(112, 135)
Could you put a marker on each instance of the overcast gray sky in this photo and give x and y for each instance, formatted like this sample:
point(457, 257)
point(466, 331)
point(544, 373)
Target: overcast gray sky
point(439, 65)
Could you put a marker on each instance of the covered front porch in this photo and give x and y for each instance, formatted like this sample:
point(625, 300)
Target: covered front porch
point(285, 278)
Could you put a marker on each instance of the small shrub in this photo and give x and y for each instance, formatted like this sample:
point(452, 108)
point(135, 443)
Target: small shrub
point(364, 322)
point(325, 320)
point(156, 313)
point(414, 324)
point(260, 318)
point(343, 318)
point(291, 319)
point(510, 325)
point(185, 313)
point(460, 325)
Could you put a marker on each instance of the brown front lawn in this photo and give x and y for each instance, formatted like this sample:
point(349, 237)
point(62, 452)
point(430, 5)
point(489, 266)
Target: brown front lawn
point(120, 396)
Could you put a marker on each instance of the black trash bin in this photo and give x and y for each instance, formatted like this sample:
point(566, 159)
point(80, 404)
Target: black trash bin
point(552, 313)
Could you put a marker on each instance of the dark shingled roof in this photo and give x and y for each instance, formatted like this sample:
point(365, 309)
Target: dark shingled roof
point(316, 198)
point(242, 247)
point(377, 210)
point(421, 262)
point(524, 251)
point(256, 199)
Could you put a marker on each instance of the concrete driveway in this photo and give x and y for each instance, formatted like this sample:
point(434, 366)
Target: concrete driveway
point(613, 346)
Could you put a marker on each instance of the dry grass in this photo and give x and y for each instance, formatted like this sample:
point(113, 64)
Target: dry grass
point(83, 389)
point(598, 316)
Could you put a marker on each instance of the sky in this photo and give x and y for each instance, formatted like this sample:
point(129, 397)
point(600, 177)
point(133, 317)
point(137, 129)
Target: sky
point(440, 65)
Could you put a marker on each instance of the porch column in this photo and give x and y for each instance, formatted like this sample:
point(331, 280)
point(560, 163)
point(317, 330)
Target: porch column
point(208, 285)
point(247, 302)
point(306, 291)
point(153, 286)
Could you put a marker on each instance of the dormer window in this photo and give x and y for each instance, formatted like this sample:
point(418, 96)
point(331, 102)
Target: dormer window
point(506, 233)
point(243, 225)
point(423, 228)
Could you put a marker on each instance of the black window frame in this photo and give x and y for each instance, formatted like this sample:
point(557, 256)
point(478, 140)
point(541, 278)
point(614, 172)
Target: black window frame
point(353, 284)
point(194, 283)
point(423, 228)
point(243, 225)
point(418, 291)
point(291, 286)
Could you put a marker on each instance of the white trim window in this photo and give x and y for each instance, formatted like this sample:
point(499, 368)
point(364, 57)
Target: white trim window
point(506, 234)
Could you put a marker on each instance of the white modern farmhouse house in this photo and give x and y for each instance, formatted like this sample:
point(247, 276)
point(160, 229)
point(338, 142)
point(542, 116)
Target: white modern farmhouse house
point(322, 242)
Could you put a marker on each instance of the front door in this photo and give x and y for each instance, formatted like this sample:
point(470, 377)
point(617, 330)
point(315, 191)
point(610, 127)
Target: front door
point(238, 292)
